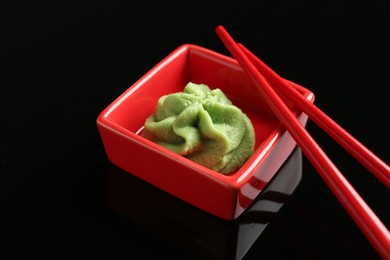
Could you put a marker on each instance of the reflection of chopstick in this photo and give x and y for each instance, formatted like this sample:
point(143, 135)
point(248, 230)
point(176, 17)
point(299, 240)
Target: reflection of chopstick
point(371, 226)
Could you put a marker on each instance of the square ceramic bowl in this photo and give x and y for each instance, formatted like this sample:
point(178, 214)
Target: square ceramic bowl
point(121, 123)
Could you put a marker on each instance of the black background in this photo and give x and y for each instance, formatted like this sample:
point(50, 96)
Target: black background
point(64, 62)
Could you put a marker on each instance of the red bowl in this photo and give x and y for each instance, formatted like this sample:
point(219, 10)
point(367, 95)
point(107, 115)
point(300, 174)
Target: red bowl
point(225, 196)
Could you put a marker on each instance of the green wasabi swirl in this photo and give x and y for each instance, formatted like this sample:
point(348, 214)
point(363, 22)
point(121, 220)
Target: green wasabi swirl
point(204, 126)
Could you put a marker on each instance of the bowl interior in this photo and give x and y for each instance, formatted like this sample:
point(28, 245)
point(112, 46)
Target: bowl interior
point(199, 65)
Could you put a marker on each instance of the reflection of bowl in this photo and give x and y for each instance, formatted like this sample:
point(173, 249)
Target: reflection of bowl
point(192, 229)
point(225, 196)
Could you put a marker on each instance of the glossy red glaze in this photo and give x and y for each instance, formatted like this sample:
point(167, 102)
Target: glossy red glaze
point(225, 196)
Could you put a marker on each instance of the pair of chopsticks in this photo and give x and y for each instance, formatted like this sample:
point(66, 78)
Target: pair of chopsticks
point(370, 225)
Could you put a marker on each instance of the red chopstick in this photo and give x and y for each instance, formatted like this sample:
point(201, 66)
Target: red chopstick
point(370, 225)
point(368, 159)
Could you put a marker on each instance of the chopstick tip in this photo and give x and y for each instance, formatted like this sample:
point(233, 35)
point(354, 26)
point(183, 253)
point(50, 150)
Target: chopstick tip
point(220, 28)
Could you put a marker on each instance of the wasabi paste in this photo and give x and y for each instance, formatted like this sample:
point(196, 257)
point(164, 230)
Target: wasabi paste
point(204, 126)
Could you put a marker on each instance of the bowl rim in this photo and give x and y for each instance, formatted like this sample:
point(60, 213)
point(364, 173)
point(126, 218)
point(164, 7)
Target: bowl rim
point(234, 180)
